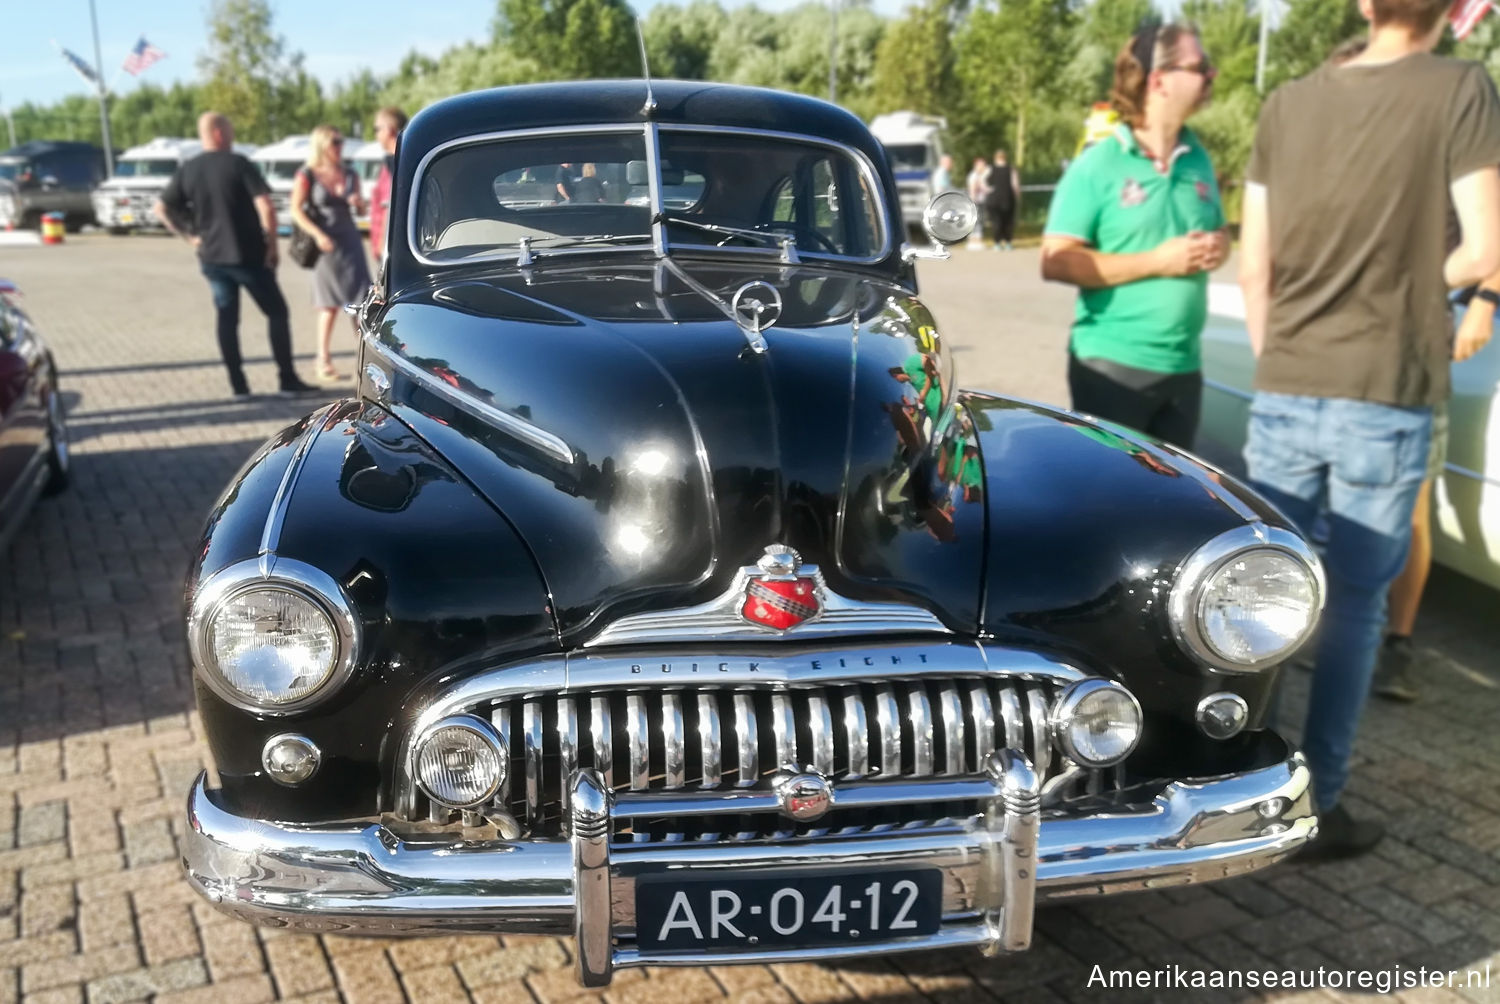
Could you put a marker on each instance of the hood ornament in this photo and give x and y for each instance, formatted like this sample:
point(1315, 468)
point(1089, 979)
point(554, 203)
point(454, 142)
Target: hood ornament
point(756, 307)
point(777, 597)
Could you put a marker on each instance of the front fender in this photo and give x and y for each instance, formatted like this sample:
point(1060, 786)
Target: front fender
point(439, 580)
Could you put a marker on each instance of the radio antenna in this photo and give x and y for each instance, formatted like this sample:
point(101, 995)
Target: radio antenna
point(649, 108)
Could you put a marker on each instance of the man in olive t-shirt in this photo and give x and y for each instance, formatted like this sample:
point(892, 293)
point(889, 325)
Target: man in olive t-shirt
point(1136, 224)
point(1345, 271)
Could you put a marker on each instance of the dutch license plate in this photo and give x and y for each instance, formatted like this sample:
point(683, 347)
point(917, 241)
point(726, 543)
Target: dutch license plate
point(787, 909)
point(127, 217)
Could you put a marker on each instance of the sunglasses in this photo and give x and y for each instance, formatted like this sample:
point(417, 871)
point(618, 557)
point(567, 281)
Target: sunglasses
point(336, 141)
point(1202, 66)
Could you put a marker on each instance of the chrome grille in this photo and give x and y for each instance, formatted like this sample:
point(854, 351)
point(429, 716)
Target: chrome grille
point(703, 739)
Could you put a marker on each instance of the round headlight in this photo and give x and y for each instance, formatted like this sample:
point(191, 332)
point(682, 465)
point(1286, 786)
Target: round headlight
point(1097, 722)
point(273, 643)
point(460, 762)
point(1248, 599)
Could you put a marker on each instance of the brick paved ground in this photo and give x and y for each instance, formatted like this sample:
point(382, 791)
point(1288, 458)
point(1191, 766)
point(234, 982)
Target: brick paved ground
point(98, 739)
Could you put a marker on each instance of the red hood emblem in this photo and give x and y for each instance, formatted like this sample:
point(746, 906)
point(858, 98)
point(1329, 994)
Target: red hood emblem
point(779, 598)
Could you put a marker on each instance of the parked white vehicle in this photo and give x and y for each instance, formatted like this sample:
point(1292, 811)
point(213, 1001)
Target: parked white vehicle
point(365, 160)
point(1466, 513)
point(913, 144)
point(123, 202)
point(279, 163)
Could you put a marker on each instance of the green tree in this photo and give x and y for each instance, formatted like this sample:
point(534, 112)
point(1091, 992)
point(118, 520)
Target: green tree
point(914, 63)
point(1307, 34)
point(1231, 37)
point(351, 105)
point(571, 39)
point(244, 63)
point(680, 40)
point(1010, 62)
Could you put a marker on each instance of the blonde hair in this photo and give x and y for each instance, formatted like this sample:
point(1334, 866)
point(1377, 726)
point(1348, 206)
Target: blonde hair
point(319, 142)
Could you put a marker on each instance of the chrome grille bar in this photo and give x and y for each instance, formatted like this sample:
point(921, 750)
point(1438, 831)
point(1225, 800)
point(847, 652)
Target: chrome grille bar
point(820, 722)
point(500, 718)
point(708, 739)
point(673, 739)
point(1010, 711)
point(746, 733)
point(603, 741)
point(982, 715)
point(954, 729)
point(920, 713)
point(784, 731)
point(888, 723)
point(637, 730)
point(856, 733)
point(1041, 746)
point(567, 743)
point(533, 752)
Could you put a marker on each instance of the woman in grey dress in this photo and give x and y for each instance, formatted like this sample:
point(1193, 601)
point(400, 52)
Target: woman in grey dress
point(341, 275)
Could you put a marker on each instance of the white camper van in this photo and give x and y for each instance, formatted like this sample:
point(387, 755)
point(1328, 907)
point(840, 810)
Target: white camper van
point(279, 164)
point(913, 144)
point(365, 160)
point(123, 202)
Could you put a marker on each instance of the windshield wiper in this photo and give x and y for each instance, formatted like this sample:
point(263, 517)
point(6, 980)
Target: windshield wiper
point(785, 242)
point(528, 244)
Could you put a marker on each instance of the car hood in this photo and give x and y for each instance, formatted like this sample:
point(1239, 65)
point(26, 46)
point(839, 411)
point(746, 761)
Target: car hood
point(623, 423)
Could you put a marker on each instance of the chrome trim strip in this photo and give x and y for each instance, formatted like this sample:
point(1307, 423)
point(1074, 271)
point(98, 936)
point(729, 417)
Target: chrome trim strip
point(861, 795)
point(673, 735)
point(276, 518)
point(362, 878)
point(654, 195)
point(1207, 560)
point(503, 420)
point(857, 733)
point(708, 739)
point(719, 619)
point(638, 734)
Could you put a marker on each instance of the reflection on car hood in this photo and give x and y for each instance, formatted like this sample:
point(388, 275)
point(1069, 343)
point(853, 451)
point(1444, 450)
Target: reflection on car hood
point(686, 452)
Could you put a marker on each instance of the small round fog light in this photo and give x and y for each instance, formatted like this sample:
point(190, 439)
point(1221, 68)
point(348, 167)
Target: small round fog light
point(460, 762)
point(290, 759)
point(1222, 716)
point(1097, 722)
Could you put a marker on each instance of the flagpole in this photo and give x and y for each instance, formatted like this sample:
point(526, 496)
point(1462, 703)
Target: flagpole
point(109, 147)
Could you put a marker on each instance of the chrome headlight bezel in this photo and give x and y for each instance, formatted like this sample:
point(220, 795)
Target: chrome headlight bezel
point(1185, 604)
point(299, 578)
point(487, 733)
point(1065, 710)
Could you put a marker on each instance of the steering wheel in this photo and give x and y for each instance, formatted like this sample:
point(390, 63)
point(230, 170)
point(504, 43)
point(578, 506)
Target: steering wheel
point(806, 238)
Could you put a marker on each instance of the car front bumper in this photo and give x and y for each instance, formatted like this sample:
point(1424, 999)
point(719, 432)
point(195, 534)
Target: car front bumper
point(995, 865)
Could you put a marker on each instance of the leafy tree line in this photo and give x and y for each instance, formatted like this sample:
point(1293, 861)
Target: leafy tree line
point(1014, 73)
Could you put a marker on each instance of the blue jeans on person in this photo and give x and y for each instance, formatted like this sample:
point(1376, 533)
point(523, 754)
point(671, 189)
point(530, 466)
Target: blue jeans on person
point(1361, 465)
point(259, 281)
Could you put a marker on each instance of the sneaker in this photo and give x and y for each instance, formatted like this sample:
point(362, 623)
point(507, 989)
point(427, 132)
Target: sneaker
point(1340, 835)
point(296, 386)
point(1393, 673)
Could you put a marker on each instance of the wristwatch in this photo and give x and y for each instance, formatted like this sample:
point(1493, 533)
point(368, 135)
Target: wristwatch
point(1489, 296)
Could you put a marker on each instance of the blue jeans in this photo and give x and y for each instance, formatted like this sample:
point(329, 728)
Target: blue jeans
point(1364, 462)
point(224, 281)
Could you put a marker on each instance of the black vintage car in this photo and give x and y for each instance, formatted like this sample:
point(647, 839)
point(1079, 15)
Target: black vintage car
point(33, 430)
point(661, 586)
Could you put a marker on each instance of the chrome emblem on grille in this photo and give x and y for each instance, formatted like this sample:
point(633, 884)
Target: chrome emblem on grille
point(805, 797)
point(779, 598)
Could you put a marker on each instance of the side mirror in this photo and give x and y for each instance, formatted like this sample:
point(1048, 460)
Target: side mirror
point(949, 218)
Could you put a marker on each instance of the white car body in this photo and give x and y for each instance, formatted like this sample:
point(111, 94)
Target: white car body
point(1466, 513)
point(365, 159)
point(124, 201)
point(278, 164)
point(914, 146)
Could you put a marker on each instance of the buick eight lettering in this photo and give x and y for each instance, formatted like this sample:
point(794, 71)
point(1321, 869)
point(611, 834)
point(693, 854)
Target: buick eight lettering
point(659, 586)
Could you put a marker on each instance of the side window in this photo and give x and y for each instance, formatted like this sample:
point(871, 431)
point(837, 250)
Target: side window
point(825, 203)
point(784, 202)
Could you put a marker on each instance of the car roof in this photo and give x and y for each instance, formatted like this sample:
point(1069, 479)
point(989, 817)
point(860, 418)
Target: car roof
point(587, 102)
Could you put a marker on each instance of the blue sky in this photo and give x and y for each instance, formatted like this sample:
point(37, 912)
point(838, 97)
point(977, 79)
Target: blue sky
point(338, 37)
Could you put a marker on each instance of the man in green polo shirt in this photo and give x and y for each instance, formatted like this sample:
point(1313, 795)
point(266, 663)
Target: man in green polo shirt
point(1136, 224)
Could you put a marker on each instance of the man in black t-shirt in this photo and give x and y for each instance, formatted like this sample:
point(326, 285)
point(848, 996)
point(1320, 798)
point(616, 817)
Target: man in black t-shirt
point(219, 202)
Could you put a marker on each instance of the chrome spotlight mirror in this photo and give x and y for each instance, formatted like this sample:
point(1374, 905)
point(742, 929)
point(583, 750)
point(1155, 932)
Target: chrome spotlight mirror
point(950, 217)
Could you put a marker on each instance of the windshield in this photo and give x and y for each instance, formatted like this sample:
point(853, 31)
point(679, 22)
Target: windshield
point(145, 168)
point(280, 170)
point(719, 189)
point(10, 168)
point(907, 156)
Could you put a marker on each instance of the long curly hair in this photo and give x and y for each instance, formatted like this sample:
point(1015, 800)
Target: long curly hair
point(1151, 47)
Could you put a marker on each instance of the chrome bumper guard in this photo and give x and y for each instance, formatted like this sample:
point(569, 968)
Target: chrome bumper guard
point(995, 865)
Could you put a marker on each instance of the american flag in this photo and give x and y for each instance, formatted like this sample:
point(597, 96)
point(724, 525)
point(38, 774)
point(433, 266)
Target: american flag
point(1466, 14)
point(142, 56)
